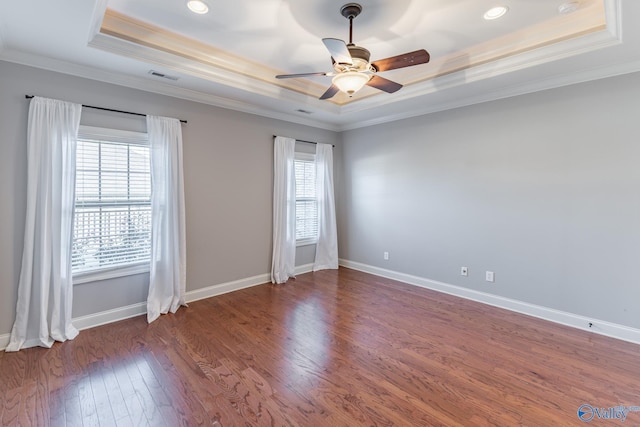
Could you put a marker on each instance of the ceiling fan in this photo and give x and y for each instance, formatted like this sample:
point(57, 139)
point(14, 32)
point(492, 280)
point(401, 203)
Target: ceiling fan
point(352, 69)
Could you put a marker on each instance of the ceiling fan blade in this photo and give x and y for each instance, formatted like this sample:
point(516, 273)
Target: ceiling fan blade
point(293, 76)
point(383, 84)
point(333, 89)
point(405, 60)
point(338, 50)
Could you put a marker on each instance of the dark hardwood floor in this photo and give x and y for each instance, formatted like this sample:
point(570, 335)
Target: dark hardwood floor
point(333, 348)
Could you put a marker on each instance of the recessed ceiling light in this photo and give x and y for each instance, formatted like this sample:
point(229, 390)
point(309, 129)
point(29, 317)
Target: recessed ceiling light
point(495, 12)
point(198, 6)
point(568, 7)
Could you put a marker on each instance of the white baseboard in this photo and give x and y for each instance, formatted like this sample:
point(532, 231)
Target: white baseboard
point(306, 268)
point(224, 288)
point(601, 327)
point(109, 316)
point(127, 312)
point(227, 287)
point(569, 319)
point(122, 313)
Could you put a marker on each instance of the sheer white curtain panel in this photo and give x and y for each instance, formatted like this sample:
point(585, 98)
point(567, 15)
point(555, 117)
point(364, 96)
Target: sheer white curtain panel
point(284, 210)
point(45, 288)
point(327, 246)
point(167, 275)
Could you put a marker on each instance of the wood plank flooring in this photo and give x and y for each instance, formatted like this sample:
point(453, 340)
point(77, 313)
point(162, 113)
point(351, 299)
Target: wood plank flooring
point(332, 348)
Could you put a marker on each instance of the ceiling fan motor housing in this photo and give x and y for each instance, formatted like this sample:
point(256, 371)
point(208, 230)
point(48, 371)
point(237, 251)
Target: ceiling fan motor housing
point(360, 57)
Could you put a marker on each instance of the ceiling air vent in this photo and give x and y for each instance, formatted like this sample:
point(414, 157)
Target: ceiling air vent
point(162, 75)
point(304, 111)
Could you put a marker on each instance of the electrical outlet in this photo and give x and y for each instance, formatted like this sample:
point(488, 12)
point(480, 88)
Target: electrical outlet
point(464, 271)
point(489, 276)
point(385, 255)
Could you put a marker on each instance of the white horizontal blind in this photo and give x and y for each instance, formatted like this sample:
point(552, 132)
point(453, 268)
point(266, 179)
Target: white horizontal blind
point(306, 201)
point(112, 222)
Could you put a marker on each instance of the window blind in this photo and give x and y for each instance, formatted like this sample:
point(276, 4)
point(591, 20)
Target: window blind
point(112, 222)
point(306, 201)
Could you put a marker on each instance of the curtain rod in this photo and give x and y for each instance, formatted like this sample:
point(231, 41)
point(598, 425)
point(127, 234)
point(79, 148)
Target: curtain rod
point(308, 142)
point(110, 109)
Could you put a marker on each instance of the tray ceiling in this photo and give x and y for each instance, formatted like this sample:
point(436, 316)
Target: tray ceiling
point(230, 56)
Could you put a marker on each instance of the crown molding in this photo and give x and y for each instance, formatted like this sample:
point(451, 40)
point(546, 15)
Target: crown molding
point(268, 100)
point(160, 88)
point(197, 69)
point(505, 92)
point(550, 53)
point(570, 48)
point(129, 37)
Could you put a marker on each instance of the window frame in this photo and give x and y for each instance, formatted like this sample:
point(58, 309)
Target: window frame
point(309, 157)
point(117, 136)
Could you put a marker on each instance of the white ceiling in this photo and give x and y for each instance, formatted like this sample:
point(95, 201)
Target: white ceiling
point(230, 56)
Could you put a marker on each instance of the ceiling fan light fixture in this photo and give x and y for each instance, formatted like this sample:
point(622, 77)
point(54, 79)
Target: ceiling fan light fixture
point(495, 12)
point(198, 6)
point(350, 82)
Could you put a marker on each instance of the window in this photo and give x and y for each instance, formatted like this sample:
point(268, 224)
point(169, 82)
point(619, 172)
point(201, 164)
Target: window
point(112, 222)
point(306, 201)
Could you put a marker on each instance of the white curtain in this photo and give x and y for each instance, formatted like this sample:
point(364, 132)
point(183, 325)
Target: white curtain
point(43, 309)
point(167, 277)
point(327, 247)
point(284, 210)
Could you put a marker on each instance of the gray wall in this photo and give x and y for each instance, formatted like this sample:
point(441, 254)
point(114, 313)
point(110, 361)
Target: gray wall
point(228, 162)
point(542, 189)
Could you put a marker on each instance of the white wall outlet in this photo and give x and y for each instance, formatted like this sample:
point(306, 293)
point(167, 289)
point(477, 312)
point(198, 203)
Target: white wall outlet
point(464, 271)
point(385, 255)
point(489, 276)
